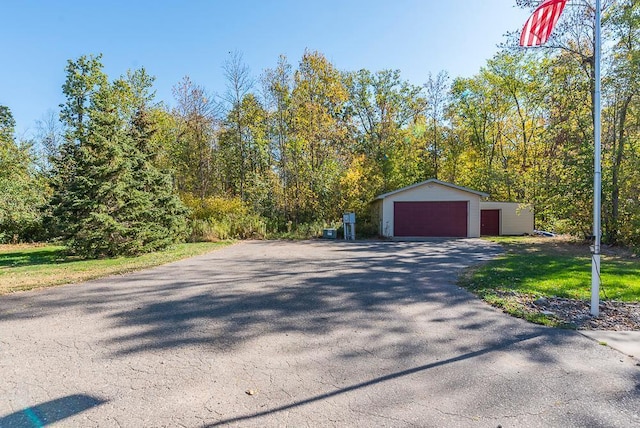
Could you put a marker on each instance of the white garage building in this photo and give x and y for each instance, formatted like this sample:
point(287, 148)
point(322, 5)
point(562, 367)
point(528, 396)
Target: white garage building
point(434, 208)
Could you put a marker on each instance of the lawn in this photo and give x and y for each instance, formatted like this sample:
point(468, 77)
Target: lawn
point(25, 267)
point(552, 267)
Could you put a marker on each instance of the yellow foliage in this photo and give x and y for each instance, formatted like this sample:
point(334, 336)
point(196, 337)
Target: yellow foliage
point(215, 207)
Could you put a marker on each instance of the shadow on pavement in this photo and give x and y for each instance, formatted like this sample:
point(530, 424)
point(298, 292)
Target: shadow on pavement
point(491, 348)
point(233, 302)
point(50, 412)
point(369, 313)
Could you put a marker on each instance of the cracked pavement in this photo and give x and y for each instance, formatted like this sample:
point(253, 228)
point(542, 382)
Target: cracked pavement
point(314, 333)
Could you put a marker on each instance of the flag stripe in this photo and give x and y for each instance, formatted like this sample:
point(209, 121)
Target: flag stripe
point(540, 24)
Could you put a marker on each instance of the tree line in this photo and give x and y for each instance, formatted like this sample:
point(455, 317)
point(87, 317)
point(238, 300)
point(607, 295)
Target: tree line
point(296, 146)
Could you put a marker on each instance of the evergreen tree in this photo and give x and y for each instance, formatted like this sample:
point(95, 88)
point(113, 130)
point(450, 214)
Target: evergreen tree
point(84, 78)
point(109, 199)
point(158, 215)
point(99, 188)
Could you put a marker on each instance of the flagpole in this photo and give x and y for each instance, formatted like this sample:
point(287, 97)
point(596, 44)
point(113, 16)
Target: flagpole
point(597, 171)
point(536, 32)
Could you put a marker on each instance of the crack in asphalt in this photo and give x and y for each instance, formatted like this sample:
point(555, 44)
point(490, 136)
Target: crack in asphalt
point(329, 333)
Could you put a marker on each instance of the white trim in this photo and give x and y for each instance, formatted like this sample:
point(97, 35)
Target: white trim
point(433, 180)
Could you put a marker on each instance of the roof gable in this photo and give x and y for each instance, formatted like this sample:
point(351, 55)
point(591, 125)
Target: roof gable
point(434, 181)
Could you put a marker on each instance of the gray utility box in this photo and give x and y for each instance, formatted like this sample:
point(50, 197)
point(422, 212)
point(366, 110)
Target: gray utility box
point(349, 223)
point(329, 234)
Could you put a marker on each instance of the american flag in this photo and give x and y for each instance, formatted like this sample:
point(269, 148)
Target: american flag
point(539, 26)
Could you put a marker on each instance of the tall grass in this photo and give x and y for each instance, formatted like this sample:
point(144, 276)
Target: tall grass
point(219, 218)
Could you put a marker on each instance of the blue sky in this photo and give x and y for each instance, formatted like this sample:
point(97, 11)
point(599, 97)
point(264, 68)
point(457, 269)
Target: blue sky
point(172, 39)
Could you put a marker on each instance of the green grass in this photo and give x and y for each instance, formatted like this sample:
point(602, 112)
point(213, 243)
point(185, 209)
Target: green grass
point(543, 267)
point(25, 267)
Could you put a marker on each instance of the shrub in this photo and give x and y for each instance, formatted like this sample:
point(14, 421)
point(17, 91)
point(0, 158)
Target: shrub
point(217, 217)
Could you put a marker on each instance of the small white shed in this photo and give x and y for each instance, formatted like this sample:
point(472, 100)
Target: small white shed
point(505, 218)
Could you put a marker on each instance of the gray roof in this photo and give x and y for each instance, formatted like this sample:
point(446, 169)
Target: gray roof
point(433, 180)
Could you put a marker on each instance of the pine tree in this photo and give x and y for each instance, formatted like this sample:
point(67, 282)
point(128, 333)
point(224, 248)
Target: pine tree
point(109, 199)
point(158, 215)
point(66, 208)
point(100, 187)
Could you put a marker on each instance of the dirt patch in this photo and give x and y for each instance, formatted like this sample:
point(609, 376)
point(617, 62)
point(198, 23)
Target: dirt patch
point(6, 248)
point(614, 315)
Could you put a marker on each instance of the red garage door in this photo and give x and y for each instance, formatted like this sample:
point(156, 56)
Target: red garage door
point(445, 219)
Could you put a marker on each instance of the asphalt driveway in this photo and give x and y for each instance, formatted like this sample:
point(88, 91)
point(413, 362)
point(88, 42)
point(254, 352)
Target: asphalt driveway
point(297, 334)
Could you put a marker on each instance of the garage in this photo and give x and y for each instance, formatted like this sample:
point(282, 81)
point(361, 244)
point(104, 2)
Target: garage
point(432, 208)
point(436, 219)
point(435, 208)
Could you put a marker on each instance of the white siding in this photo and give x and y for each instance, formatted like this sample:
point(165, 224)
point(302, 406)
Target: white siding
point(515, 218)
point(432, 192)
